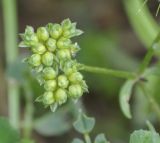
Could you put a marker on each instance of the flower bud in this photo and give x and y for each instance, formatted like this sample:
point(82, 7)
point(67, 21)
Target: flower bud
point(63, 43)
point(51, 44)
point(55, 30)
point(74, 48)
point(63, 81)
point(75, 77)
point(48, 98)
point(47, 59)
point(35, 60)
point(49, 73)
point(66, 24)
point(31, 39)
point(60, 96)
point(75, 91)
point(63, 54)
point(42, 33)
point(38, 48)
point(50, 85)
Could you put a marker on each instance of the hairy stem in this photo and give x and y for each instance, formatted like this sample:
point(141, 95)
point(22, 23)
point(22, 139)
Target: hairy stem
point(11, 51)
point(109, 72)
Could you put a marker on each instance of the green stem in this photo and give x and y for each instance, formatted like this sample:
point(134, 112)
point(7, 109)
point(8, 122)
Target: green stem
point(11, 51)
point(116, 73)
point(87, 138)
point(152, 101)
point(146, 60)
point(143, 23)
point(149, 55)
point(29, 110)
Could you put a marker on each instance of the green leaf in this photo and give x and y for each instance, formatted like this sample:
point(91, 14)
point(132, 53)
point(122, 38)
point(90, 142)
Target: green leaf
point(84, 124)
point(142, 136)
point(77, 141)
point(100, 139)
point(7, 133)
point(125, 94)
point(52, 124)
point(22, 44)
point(155, 70)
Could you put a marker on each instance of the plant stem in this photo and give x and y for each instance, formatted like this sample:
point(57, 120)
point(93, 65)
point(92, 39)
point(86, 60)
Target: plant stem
point(11, 51)
point(29, 110)
point(87, 138)
point(149, 55)
point(146, 60)
point(116, 73)
point(152, 101)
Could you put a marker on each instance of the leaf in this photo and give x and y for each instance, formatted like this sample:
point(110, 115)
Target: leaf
point(143, 136)
point(125, 94)
point(84, 124)
point(54, 107)
point(7, 133)
point(52, 124)
point(77, 141)
point(100, 139)
point(152, 71)
point(22, 44)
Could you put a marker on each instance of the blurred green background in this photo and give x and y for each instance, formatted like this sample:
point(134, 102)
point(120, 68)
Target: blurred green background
point(108, 41)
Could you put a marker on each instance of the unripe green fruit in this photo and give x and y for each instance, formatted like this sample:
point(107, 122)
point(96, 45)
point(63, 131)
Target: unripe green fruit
point(48, 98)
point(60, 96)
point(50, 85)
point(49, 73)
point(38, 48)
point(42, 33)
point(47, 59)
point(51, 44)
point(63, 54)
point(63, 81)
point(35, 60)
point(75, 91)
point(63, 43)
point(75, 77)
point(55, 31)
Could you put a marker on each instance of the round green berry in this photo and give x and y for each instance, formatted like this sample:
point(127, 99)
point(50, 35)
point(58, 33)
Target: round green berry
point(49, 73)
point(75, 91)
point(35, 60)
point(38, 48)
point(63, 81)
point(48, 98)
point(42, 33)
point(50, 85)
point(55, 31)
point(63, 43)
point(60, 96)
point(47, 59)
point(51, 44)
point(75, 77)
point(63, 54)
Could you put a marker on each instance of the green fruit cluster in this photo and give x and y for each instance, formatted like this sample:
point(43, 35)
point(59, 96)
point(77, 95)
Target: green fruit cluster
point(52, 58)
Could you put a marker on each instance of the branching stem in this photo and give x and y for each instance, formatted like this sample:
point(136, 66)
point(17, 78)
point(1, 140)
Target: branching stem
point(111, 72)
